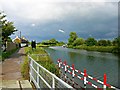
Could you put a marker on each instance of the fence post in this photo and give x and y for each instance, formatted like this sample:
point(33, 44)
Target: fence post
point(29, 67)
point(65, 69)
point(73, 73)
point(105, 82)
point(59, 63)
point(85, 78)
point(37, 75)
point(31, 71)
point(53, 82)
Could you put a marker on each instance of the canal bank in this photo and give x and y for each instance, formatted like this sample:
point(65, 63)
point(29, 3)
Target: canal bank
point(96, 63)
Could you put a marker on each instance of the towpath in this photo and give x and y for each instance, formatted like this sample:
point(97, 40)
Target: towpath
point(10, 68)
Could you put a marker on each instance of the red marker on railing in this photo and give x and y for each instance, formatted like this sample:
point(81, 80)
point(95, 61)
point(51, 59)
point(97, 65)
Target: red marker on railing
point(85, 77)
point(65, 63)
point(73, 70)
point(105, 82)
point(59, 64)
point(73, 73)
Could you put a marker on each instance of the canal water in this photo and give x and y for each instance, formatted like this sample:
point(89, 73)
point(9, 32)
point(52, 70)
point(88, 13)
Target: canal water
point(96, 63)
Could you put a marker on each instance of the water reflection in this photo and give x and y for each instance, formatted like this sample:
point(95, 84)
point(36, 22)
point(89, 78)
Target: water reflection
point(96, 63)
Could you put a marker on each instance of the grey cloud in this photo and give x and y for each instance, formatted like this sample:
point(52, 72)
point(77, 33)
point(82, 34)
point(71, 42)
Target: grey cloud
point(97, 19)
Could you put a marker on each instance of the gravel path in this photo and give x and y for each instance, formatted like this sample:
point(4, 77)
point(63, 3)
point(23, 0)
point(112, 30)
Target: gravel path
point(10, 68)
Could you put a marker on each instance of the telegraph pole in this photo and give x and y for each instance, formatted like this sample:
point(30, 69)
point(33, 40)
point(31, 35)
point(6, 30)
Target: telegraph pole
point(20, 34)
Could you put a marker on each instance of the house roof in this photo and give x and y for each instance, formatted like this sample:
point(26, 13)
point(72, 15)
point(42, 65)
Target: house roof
point(17, 40)
point(23, 40)
point(20, 40)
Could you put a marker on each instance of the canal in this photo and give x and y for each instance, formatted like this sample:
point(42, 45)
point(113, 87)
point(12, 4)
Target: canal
point(96, 63)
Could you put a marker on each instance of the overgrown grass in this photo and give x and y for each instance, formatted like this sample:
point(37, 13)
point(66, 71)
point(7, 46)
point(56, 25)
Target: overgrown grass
point(41, 45)
point(25, 65)
point(25, 68)
point(8, 53)
point(45, 61)
point(96, 48)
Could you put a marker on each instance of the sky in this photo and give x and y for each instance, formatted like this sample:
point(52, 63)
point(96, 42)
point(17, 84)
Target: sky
point(45, 19)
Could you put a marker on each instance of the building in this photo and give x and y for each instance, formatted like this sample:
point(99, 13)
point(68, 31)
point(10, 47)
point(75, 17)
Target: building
point(21, 42)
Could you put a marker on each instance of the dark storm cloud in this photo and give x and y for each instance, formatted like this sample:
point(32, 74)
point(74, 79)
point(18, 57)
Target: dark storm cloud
point(43, 21)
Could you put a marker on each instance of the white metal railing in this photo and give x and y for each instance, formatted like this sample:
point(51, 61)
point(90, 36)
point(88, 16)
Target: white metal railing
point(42, 78)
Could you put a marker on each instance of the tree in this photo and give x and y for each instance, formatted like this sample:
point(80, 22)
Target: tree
point(61, 43)
point(78, 41)
point(50, 42)
point(109, 43)
point(7, 27)
point(116, 41)
point(73, 37)
point(53, 41)
point(91, 42)
point(102, 43)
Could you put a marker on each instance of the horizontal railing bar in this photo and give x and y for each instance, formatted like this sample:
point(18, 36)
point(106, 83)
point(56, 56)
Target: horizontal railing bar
point(41, 77)
point(92, 84)
point(53, 75)
point(44, 81)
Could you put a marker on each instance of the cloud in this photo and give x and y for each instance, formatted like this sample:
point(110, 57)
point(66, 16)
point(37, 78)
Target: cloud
point(111, 34)
point(88, 17)
point(60, 30)
point(33, 25)
point(42, 11)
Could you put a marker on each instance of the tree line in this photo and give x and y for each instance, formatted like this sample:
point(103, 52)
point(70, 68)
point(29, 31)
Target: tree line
point(74, 41)
point(52, 42)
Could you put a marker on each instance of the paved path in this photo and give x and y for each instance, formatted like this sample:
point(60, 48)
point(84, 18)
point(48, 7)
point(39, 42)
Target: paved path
point(11, 67)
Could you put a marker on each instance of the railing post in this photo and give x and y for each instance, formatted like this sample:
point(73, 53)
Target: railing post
point(65, 69)
point(38, 75)
point(53, 82)
point(59, 63)
point(105, 82)
point(85, 78)
point(29, 67)
point(73, 73)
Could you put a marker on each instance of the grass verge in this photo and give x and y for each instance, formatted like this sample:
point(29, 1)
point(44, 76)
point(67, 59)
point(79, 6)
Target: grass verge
point(8, 53)
point(96, 48)
point(44, 60)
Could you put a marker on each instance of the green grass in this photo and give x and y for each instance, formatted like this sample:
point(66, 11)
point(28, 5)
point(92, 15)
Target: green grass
point(8, 53)
point(45, 61)
point(25, 68)
point(96, 48)
point(42, 45)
